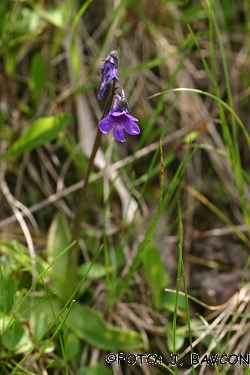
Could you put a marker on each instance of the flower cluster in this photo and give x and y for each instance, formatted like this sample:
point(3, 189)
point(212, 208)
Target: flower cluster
point(119, 117)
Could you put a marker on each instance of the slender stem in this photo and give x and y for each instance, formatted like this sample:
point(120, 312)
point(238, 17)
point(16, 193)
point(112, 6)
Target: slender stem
point(71, 280)
point(80, 205)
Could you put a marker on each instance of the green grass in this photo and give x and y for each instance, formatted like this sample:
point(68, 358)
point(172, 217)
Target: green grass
point(185, 177)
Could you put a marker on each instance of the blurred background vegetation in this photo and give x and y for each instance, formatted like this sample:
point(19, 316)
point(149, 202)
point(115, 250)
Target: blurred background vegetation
point(175, 217)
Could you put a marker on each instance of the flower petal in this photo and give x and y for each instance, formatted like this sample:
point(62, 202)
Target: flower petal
point(109, 73)
point(119, 133)
point(131, 117)
point(130, 127)
point(106, 124)
point(118, 113)
point(102, 90)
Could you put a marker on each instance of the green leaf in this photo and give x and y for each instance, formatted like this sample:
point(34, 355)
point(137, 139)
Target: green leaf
point(191, 137)
point(57, 16)
point(38, 76)
point(7, 292)
point(229, 9)
point(75, 59)
point(90, 326)
point(38, 324)
point(179, 338)
point(50, 307)
point(27, 21)
point(41, 131)
point(155, 271)
point(10, 62)
point(94, 370)
point(17, 339)
point(168, 300)
point(47, 345)
point(193, 13)
point(4, 322)
point(16, 256)
point(58, 239)
point(97, 271)
point(72, 346)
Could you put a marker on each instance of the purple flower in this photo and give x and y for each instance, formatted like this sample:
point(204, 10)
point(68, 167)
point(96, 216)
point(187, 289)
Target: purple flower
point(119, 119)
point(109, 72)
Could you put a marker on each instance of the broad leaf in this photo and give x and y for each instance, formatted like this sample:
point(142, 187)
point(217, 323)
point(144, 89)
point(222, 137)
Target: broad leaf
point(90, 326)
point(16, 338)
point(72, 346)
point(38, 324)
point(51, 307)
point(18, 257)
point(168, 300)
point(155, 271)
point(179, 338)
point(193, 13)
point(57, 15)
point(27, 21)
point(4, 322)
point(7, 291)
point(58, 239)
point(41, 131)
point(97, 270)
point(38, 76)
